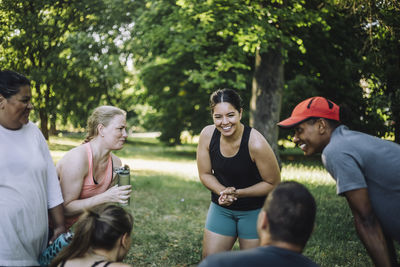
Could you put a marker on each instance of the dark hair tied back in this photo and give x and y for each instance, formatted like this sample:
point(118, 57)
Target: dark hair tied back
point(11, 82)
point(225, 95)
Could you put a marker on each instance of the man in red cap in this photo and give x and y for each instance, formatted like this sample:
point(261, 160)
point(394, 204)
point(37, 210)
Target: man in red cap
point(366, 170)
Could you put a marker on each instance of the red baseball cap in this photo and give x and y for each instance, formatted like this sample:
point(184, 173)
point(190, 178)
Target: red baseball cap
point(314, 107)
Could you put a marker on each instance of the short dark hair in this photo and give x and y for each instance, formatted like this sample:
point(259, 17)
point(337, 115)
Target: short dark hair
point(226, 95)
point(11, 82)
point(332, 123)
point(291, 210)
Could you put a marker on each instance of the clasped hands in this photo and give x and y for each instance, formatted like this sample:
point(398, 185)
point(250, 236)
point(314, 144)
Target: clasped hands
point(227, 196)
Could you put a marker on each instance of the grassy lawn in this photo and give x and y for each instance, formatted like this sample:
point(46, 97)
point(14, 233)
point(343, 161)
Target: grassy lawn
point(169, 205)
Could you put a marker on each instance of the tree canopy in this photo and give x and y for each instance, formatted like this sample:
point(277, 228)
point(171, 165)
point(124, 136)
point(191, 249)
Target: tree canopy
point(67, 49)
point(160, 60)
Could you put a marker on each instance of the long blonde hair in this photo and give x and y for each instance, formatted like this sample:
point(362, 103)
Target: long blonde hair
point(98, 227)
point(101, 115)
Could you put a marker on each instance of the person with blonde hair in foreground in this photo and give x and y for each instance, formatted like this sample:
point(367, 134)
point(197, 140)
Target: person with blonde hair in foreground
point(102, 237)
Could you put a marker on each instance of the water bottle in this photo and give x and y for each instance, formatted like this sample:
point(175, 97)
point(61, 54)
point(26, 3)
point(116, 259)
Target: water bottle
point(51, 251)
point(124, 178)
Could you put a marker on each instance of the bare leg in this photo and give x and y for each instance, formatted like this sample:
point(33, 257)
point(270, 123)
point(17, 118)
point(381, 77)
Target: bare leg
point(214, 243)
point(248, 243)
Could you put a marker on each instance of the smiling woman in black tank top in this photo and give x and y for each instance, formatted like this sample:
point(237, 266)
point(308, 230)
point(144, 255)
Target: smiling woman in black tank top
point(238, 166)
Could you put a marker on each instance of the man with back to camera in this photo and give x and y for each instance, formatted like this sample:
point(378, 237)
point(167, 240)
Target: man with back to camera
point(366, 170)
point(284, 226)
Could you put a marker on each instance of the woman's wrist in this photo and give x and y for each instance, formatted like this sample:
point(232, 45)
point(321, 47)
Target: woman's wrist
point(220, 190)
point(238, 193)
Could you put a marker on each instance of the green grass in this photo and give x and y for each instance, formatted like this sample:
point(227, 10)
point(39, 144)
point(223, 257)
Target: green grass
point(169, 218)
point(169, 205)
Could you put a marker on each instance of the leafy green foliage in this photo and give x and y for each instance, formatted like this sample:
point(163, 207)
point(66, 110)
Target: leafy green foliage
point(330, 68)
point(382, 56)
point(68, 50)
point(186, 49)
point(79, 55)
point(350, 61)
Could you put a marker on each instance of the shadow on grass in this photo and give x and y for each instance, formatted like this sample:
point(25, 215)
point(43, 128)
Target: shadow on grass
point(60, 147)
point(146, 149)
point(137, 141)
point(295, 158)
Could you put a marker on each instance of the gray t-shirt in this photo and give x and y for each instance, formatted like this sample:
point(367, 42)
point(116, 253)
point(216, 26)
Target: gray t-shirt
point(357, 160)
point(261, 256)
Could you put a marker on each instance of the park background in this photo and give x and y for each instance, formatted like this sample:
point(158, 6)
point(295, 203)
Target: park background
point(160, 60)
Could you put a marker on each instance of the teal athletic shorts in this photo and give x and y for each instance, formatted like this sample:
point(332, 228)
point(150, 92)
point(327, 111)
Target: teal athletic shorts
point(232, 222)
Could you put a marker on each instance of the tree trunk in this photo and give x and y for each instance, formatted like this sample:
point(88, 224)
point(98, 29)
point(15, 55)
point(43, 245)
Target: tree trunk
point(265, 104)
point(43, 122)
point(53, 126)
point(42, 115)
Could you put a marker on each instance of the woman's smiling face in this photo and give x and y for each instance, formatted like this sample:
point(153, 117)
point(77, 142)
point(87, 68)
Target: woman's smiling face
point(17, 108)
point(226, 117)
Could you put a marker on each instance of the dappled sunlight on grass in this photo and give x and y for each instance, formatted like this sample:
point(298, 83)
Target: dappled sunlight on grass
point(152, 150)
point(60, 145)
point(183, 170)
point(310, 174)
point(66, 141)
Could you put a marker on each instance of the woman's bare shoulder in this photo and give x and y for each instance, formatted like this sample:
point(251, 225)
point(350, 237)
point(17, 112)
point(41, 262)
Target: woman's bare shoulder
point(206, 134)
point(208, 130)
point(257, 141)
point(76, 155)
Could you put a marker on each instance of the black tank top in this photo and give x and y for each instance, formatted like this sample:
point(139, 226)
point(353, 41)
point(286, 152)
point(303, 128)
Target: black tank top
point(238, 171)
